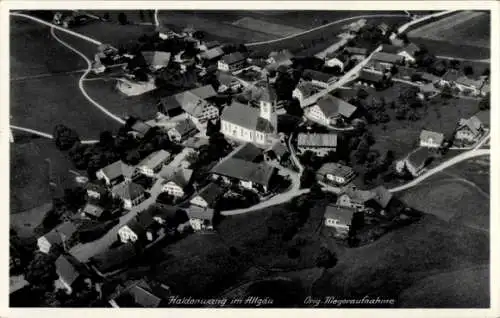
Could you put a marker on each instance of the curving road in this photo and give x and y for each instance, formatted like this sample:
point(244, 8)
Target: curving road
point(45, 135)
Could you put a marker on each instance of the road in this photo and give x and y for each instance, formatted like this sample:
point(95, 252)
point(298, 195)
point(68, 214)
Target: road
point(404, 27)
point(83, 252)
point(45, 135)
point(462, 59)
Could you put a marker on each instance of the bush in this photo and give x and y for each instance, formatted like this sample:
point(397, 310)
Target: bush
point(293, 253)
point(326, 258)
point(65, 137)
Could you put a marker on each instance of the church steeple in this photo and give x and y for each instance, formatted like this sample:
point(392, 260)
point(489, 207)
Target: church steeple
point(268, 105)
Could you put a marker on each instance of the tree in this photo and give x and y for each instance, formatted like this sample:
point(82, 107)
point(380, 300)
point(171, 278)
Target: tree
point(293, 108)
point(65, 137)
point(41, 271)
point(361, 152)
point(468, 70)
point(484, 103)
point(416, 77)
point(326, 258)
point(446, 92)
point(361, 93)
point(106, 139)
point(455, 64)
point(122, 18)
point(307, 178)
point(486, 72)
point(74, 197)
point(106, 16)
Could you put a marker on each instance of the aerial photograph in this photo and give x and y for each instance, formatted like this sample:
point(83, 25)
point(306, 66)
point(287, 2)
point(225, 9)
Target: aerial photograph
point(249, 158)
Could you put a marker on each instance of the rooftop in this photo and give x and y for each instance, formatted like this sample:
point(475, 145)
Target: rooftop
point(333, 106)
point(155, 159)
point(211, 193)
point(128, 190)
point(318, 76)
point(387, 57)
point(195, 212)
point(343, 215)
point(233, 58)
point(66, 270)
point(336, 169)
point(317, 140)
point(259, 173)
point(118, 169)
point(432, 135)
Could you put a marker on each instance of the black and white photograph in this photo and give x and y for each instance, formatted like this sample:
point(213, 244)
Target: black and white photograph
point(242, 158)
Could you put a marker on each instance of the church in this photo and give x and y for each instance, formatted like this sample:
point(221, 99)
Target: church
point(258, 125)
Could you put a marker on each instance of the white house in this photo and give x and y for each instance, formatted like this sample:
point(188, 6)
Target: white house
point(431, 139)
point(339, 219)
point(330, 110)
point(130, 193)
point(335, 173)
point(469, 130)
point(415, 162)
point(231, 62)
point(153, 163)
point(408, 52)
point(197, 103)
point(336, 60)
point(115, 173)
point(177, 182)
point(303, 91)
point(208, 196)
point(200, 218)
point(137, 228)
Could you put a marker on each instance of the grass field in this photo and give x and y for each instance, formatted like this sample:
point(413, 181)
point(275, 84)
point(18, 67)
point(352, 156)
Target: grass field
point(465, 34)
point(42, 102)
point(114, 33)
point(397, 260)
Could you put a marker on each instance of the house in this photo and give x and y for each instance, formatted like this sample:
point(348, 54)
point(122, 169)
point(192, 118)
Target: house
point(408, 52)
point(196, 103)
point(352, 198)
point(183, 130)
point(336, 60)
point(469, 130)
point(130, 193)
point(340, 219)
point(228, 83)
point(283, 57)
point(356, 53)
point(115, 173)
point(136, 294)
point(376, 80)
point(95, 191)
point(249, 175)
point(391, 49)
point(331, 111)
point(278, 151)
point(140, 228)
point(319, 144)
point(431, 139)
point(140, 128)
point(231, 62)
point(385, 61)
point(211, 54)
point(335, 173)
point(57, 237)
point(248, 152)
point(415, 162)
point(153, 163)
point(249, 124)
point(206, 46)
point(200, 218)
point(69, 275)
point(208, 196)
point(429, 78)
point(156, 59)
point(176, 183)
point(169, 106)
point(449, 78)
point(93, 211)
point(469, 86)
point(319, 79)
point(303, 91)
point(383, 28)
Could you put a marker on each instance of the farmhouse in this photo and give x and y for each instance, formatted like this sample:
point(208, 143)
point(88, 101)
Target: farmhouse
point(153, 163)
point(385, 61)
point(249, 175)
point(115, 173)
point(196, 103)
point(354, 199)
point(335, 173)
point(330, 110)
point(408, 52)
point(431, 139)
point(69, 275)
point(139, 228)
point(383, 28)
point(156, 59)
point(278, 151)
point(169, 106)
point(319, 79)
point(340, 219)
point(415, 162)
point(248, 152)
point(319, 144)
point(176, 184)
point(372, 79)
point(249, 124)
point(183, 130)
point(208, 196)
point(356, 53)
point(140, 128)
point(231, 62)
point(211, 54)
point(57, 237)
point(335, 59)
point(200, 219)
point(304, 90)
point(468, 85)
point(206, 46)
point(130, 193)
point(136, 294)
point(93, 211)
point(95, 190)
point(469, 130)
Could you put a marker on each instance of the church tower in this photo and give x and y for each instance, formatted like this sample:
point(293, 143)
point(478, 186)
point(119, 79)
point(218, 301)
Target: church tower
point(268, 107)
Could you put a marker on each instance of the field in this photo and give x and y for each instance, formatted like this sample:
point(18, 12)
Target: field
point(465, 34)
point(114, 33)
point(403, 257)
point(42, 102)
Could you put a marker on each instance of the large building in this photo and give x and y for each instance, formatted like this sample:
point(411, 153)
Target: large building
point(250, 124)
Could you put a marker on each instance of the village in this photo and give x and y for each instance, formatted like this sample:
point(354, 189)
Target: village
point(246, 131)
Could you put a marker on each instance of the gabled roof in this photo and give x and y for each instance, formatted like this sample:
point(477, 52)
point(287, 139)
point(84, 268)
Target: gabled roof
point(392, 49)
point(141, 127)
point(467, 81)
point(66, 270)
point(333, 106)
point(264, 125)
point(278, 148)
point(473, 123)
point(154, 159)
point(118, 169)
point(429, 77)
point(212, 53)
point(356, 50)
point(128, 190)
point(211, 193)
point(336, 169)
point(204, 92)
point(435, 136)
point(195, 212)
point(306, 88)
point(181, 177)
point(61, 233)
point(268, 94)
point(93, 210)
point(169, 103)
point(317, 140)
point(259, 173)
point(141, 222)
point(186, 128)
point(247, 152)
point(241, 115)
point(343, 215)
point(382, 196)
point(233, 58)
point(370, 76)
point(156, 58)
point(95, 187)
point(318, 76)
point(112, 258)
point(387, 57)
point(143, 296)
point(451, 75)
point(212, 44)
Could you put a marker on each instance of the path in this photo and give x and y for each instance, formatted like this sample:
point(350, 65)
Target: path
point(404, 27)
point(45, 135)
point(463, 59)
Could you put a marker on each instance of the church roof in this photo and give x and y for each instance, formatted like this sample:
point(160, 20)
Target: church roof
point(247, 117)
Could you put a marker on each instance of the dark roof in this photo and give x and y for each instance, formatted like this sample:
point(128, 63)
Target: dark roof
point(452, 75)
point(318, 76)
point(141, 222)
point(61, 233)
point(204, 92)
point(247, 152)
point(370, 76)
point(211, 193)
point(259, 173)
point(181, 177)
point(387, 57)
point(333, 106)
point(358, 196)
point(128, 190)
point(278, 148)
point(66, 270)
point(429, 77)
point(264, 125)
point(306, 88)
point(195, 212)
point(317, 140)
point(268, 94)
point(141, 127)
point(356, 50)
point(241, 115)
point(392, 49)
point(186, 128)
point(137, 294)
point(212, 44)
point(114, 257)
point(382, 196)
point(233, 58)
point(343, 215)
point(336, 169)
